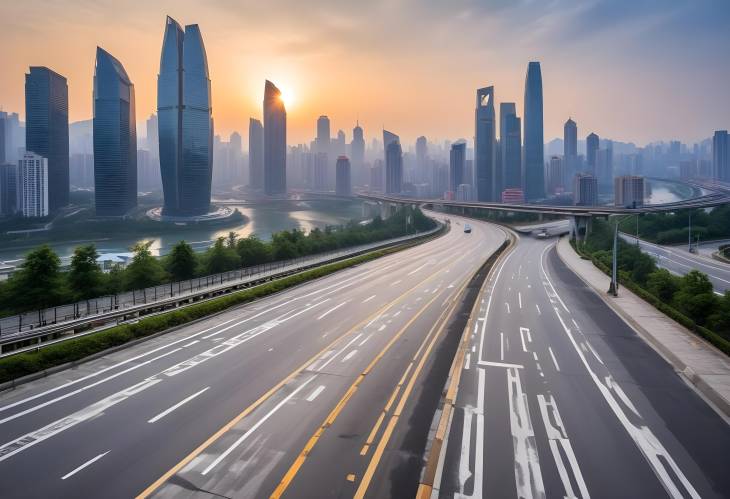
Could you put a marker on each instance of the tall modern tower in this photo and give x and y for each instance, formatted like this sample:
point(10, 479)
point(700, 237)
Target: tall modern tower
point(510, 138)
point(720, 158)
point(185, 121)
point(393, 163)
point(343, 177)
point(46, 129)
point(485, 150)
point(255, 154)
point(115, 138)
point(274, 141)
point(357, 147)
point(592, 145)
point(457, 165)
point(570, 148)
point(323, 134)
point(534, 161)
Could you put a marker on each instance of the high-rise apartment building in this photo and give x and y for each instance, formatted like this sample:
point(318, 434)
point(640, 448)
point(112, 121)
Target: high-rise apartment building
point(255, 154)
point(510, 142)
point(457, 165)
point(585, 190)
point(33, 191)
point(8, 189)
point(555, 178)
point(46, 129)
point(629, 191)
point(185, 121)
point(357, 154)
point(274, 141)
point(485, 145)
point(534, 160)
point(570, 148)
point(592, 146)
point(343, 177)
point(720, 161)
point(115, 138)
point(393, 163)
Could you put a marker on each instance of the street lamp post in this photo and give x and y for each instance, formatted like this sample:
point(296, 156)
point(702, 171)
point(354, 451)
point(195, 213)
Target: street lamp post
point(613, 288)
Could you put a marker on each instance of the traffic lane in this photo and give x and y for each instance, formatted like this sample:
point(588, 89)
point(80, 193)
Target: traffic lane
point(221, 484)
point(690, 430)
point(260, 312)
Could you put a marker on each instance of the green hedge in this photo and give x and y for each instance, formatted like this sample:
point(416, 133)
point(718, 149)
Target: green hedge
point(671, 312)
point(23, 364)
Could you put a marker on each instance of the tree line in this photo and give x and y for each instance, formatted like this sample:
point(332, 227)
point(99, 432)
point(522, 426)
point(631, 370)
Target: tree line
point(41, 282)
point(671, 228)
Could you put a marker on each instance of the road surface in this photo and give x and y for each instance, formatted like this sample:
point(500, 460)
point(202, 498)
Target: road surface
point(679, 261)
point(560, 398)
point(323, 390)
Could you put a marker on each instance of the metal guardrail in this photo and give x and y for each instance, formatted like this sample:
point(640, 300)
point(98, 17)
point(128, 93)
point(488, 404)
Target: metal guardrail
point(103, 309)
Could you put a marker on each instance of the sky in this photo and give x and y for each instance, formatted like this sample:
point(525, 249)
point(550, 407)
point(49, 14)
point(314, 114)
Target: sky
point(630, 70)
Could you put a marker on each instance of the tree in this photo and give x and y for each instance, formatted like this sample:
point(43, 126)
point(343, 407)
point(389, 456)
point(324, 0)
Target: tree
point(231, 239)
point(145, 270)
point(720, 320)
point(38, 283)
point(662, 284)
point(695, 297)
point(252, 251)
point(182, 261)
point(220, 258)
point(85, 276)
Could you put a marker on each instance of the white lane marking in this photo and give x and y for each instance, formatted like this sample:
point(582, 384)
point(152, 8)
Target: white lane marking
point(84, 388)
point(464, 470)
point(529, 337)
point(365, 340)
point(528, 477)
point(319, 369)
point(538, 309)
point(507, 307)
point(489, 304)
point(557, 434)
point(500, 364)
point(182, 402)
point(369, 298)
point(255, 427)
point(397, 313)
point(87, 463)
point(468, 361)
point(555, 361)
point(522, 338)
point(348, 356)
point(397, 282)
point(333, 309)
point(381, 328)
point(593, 351)
point(191, 343)
point(474, 348)
point(416, 270)
point(651, 448)
point(315, 393)
point(501, 346)
point(519, 298)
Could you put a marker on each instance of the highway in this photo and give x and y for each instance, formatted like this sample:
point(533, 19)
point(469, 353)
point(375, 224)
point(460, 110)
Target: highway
point(558, 397)
point(324, 390)
point(679, 261)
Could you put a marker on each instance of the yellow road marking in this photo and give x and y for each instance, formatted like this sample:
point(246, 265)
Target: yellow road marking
point(350, 477)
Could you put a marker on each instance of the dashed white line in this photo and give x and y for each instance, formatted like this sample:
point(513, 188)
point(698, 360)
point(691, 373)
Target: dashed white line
point(333, 309)
point(191, 343)
point(365, 340)
point(519, 298)
point(501, 346)
point(182, 402)
point(467, 363)
point(348, 356)
point(87, 463)
point(538, 309)
point(369, 298)
point(315, 393)
point(397, 282)
point(555, 361)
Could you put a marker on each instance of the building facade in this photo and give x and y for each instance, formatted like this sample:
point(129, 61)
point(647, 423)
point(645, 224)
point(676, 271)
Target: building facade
point(457, 165)
point(185, 121)
point(555, 178)
point(115, 138)
point(570, 148)
point(46, 129)
point(8, 189)
point(343, 177)
point(274, 141)
point(33, 192)
point(720, 161)
point(485, 146)
point(510, 141)
point(585, 190)
point(393, 163)
point(534, 159)
point(255, 154)
point(629, 191)
point(592, 146)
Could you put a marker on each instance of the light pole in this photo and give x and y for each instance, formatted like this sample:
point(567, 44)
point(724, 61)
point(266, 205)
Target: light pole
point(613, 288)
point(689, 233)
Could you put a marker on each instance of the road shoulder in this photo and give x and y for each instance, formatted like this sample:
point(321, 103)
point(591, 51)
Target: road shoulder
point(699, 362)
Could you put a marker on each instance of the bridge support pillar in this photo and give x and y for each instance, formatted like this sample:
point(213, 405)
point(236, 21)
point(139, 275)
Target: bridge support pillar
point(580, 227)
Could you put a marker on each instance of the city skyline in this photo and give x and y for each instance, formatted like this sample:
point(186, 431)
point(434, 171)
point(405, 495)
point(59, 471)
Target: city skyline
point(241, 57)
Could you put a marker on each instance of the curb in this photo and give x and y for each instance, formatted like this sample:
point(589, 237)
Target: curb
point(721, 404)
point(436, 446)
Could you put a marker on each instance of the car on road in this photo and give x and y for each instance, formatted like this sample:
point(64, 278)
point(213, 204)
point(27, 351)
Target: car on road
point(467, 228)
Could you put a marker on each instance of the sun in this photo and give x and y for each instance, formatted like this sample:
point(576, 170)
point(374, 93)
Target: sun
point(287, 97)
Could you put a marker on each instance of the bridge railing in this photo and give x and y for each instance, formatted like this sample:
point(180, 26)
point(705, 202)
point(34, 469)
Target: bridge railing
point(34, 323)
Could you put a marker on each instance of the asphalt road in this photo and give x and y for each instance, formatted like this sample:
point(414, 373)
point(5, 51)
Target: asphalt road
point(679, 261)
point(325, 390)
point(560, 398)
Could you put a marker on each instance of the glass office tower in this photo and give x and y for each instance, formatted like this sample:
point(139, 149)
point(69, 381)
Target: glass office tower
point(533, 147)
point(185, 121)
point(274, 141)
point(115, 138)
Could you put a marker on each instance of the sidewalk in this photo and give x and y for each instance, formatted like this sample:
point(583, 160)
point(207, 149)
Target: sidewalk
point(703, 365)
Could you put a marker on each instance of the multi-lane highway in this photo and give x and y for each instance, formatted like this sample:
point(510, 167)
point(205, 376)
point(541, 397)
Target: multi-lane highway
point(325, 390)
point(558, 397)
point(679, 261)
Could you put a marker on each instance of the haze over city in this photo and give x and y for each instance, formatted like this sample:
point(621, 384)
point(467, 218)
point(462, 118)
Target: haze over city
point(633, 70)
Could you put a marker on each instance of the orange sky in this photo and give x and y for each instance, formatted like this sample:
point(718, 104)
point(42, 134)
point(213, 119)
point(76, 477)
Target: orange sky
point(411, 66)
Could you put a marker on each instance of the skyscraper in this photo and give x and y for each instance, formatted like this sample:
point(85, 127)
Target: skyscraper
point(720, 158)
point(585, 190)
point(570, 148)
point(343, 180)
point(33, 191)
point(628, 191)
point(8, 189)
point(555, 177)
point(457, 164)
point(274, 141)
point(185, 121)
point(592, 145)
point(115, 138)
point(393, 163)
point(485, 151)
point(3, 146)
point(533, 136)
point(323, 134)
point(357, 153)
point(422, 173)
point(255, 154)
point(510, 137)
point(46, 129)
